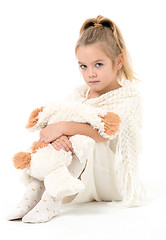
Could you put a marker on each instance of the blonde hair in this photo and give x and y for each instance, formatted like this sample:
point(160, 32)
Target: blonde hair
point(104, 31)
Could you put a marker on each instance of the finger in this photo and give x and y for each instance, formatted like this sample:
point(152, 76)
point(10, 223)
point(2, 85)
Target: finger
point(58, 145)
point(55, 146)
point(69, 144)
point(46, 140)
point(42, 139)
point(64, 146)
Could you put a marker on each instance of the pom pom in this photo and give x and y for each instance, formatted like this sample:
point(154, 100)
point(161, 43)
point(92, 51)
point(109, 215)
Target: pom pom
point(22, 160)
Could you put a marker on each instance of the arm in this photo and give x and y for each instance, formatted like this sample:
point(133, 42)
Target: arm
point(109, 129)
point(54, 131)
point(73, 128)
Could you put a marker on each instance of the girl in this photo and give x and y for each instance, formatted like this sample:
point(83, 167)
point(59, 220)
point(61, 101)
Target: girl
point(111, 172)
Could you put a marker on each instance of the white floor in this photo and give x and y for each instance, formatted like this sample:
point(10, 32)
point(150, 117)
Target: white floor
point(96, 220)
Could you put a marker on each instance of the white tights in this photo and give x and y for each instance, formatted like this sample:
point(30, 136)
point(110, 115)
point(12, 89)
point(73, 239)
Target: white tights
point(37, 207)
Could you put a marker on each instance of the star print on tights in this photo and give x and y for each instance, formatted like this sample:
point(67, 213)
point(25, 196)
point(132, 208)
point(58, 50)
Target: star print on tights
point(32, 196)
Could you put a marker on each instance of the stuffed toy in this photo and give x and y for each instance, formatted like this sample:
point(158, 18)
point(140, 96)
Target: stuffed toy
point(47, 164)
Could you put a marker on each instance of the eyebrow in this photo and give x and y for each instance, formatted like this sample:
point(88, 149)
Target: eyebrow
point(98, 60)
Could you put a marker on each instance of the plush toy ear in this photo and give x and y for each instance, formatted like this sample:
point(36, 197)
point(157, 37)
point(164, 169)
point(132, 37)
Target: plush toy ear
point(111, 123)
point(33, 119)
point(37, 144)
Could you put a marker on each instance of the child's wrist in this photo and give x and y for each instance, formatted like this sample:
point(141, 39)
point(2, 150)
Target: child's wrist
point(62, 127)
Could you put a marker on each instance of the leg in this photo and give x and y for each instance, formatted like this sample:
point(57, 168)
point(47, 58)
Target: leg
point(32, 196)
point(76, 167)
point(49, 206)
point(61, 182)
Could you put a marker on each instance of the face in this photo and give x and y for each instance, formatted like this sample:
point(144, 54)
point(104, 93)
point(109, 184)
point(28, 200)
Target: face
point(97, 69)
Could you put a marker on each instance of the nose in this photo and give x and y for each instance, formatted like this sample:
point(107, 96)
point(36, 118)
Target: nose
point(92, 73)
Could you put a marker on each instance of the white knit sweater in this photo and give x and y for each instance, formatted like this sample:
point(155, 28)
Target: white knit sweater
point(127, 103)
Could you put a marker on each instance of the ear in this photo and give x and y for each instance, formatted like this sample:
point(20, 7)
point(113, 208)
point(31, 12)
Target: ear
point(119, 61)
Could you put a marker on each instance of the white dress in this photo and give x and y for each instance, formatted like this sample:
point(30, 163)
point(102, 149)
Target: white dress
point(98, 177)
point(111, 173)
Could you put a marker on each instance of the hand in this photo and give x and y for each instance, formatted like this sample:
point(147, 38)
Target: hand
point(63, 143)
point(51, 132)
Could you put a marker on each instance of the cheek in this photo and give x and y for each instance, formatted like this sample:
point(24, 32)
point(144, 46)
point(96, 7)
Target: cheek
point(84, 74)
point(105, 75)
point(111, 74)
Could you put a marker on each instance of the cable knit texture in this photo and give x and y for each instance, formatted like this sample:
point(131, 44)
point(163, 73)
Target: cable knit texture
point(126, 102)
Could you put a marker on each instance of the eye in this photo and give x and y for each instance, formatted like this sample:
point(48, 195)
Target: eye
point(83, 66)
point(99, 64)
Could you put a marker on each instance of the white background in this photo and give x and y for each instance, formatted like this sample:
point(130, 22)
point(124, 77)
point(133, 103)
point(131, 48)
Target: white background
point(38, 65)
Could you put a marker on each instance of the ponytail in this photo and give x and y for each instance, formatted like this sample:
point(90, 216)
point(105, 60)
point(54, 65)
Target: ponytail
point(105, 31)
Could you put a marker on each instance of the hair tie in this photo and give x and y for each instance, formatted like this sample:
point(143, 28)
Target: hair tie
point(98, 25)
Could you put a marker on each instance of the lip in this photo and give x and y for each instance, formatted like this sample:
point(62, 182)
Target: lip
point(94, 81)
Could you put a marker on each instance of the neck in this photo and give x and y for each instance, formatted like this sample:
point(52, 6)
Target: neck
point(112, 87)
point(115, 85)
